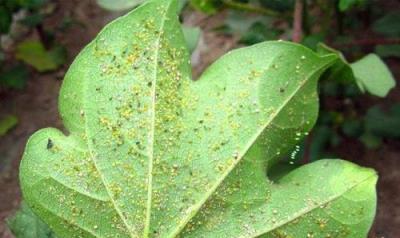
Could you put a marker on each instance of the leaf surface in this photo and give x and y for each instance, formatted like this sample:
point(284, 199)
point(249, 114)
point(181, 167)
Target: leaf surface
point(149, 151)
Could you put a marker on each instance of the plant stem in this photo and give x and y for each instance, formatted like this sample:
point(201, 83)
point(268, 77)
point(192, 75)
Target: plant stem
point(250, 8)
point(307, 148)
point(298, 21)
point(43, 36)
point(306, 19)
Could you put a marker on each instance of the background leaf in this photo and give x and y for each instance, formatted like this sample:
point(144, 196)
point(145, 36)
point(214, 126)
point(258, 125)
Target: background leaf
point(370, 73)
point(388, 25)
point(373, 75)
point(7, 124)
point(25, 224)
point(279, 5)
point(34, 54)
point(383, 124)
point(192, 36)
point(15, 77)
point(119, 5)
point(388, 50)
point(5, 19)
point(345, 5)
point(207, 6)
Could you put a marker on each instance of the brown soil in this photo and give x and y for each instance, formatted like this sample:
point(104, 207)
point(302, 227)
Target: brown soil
point(36, 107)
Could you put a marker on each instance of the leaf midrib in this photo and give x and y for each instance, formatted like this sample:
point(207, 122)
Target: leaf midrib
point(246, 149)
point(153, 122)
point(151, 155)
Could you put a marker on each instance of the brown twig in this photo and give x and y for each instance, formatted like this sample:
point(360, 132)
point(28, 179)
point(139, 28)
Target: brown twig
point(43, 36)
point(298, 21)
point(307, 148)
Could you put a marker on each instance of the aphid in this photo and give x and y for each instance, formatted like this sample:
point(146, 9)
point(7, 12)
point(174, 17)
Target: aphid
point(49, 144)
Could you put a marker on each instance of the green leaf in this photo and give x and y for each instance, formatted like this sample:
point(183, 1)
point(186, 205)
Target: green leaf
point(252, 29)
point(32, 4)
point(388, 25)
point(388, 50)
point(192, 36)
point(119, 5)
point(279, 5)
point(312, 40)
point(258, 32)
point(7, 124)
point(182, 4)
point(345, 5)
point(383, 124)
point(5, 20)
point(352, 127)
point(151, 153)
point(371, 141)
point(341, 70)
point(14, 77)
point(370, 73)
point(34, 54)
point(240, 22)
point(58, 55)
point(25, 224)
point(373, 75)
point(207, 6)
point(33, 20)
point(322, 138)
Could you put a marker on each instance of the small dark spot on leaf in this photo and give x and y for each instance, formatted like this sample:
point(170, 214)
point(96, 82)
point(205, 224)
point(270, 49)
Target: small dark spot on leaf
point(49, 144)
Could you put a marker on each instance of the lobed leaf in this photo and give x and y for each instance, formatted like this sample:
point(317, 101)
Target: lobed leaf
point(151, 153)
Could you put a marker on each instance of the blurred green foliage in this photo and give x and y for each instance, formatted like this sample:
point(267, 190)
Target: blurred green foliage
point(43, 54)
point(7, 123)
point(34, 53)
point(25, 224)
point(9, 7)
point(345, 5)
point(14, 77)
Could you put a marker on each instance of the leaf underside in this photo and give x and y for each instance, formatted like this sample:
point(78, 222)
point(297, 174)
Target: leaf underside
point(151, 153)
